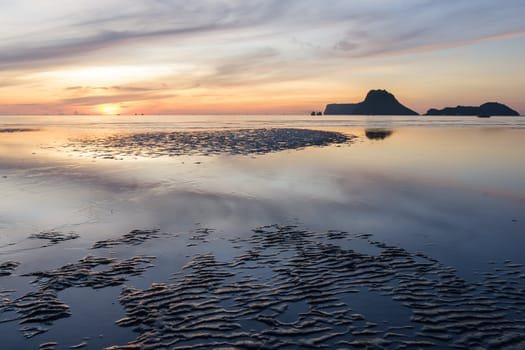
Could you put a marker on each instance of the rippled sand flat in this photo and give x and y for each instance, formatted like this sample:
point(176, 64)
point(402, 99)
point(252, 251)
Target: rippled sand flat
point(242, 141)
point(286, 287)
point(278, 237)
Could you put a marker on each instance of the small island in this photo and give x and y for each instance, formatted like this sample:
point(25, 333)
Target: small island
point(485, 110)
point(377, 102)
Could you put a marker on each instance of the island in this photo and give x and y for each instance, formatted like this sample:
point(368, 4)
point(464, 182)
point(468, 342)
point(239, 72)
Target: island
point(377, 102)
point(486, 109)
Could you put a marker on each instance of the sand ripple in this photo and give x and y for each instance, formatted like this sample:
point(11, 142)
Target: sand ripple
point(42, 307)
point(85, 273)
point(8, 267)
point(54, 237)
point(286, 288)
point(134, 237)
point(244, 141)
point(16, 130)
point(231, 304)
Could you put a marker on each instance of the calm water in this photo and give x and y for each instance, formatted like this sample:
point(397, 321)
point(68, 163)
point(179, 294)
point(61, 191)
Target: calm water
point(450, 187)
point(238, 121)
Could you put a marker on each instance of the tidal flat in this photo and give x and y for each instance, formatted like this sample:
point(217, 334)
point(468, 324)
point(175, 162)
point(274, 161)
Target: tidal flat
point(262, 232)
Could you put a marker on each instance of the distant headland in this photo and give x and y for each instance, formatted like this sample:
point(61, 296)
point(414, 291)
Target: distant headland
point(486, 109)
point(377, 102)
point(382, 102)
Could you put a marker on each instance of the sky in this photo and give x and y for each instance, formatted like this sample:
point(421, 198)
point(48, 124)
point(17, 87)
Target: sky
point(256, 56)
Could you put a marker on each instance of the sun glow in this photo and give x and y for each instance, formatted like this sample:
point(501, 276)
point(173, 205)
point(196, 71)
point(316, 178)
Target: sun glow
point(109, 109)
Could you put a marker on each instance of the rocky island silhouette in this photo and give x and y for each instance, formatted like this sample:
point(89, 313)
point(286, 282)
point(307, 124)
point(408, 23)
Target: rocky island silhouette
point(486, 109)
point(377, 102)
point(382, 102)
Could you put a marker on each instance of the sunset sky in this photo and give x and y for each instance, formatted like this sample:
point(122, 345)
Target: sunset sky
point(256, 56)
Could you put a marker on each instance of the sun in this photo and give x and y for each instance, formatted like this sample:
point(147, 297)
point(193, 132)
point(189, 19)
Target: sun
point(109, 109)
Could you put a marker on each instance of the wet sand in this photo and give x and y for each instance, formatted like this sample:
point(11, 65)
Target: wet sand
point(258, 237)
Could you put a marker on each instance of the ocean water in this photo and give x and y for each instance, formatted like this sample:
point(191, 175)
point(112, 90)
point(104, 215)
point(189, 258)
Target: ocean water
point(449, 189)
point(242, 121)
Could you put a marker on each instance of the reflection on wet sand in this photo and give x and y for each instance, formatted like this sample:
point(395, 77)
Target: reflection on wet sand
point(195, 275)
point(378, 134)
point(15, 130)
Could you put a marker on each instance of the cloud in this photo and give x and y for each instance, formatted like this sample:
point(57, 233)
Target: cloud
point(166, 19)
point(133, 88)
point(355, 28)
point(259, 66)
point(118, 88)
point(118, 98)
point(84, 89)
point(15, 58)
point(429, 25)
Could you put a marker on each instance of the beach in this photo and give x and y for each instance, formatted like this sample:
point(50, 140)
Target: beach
point(255, 232)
